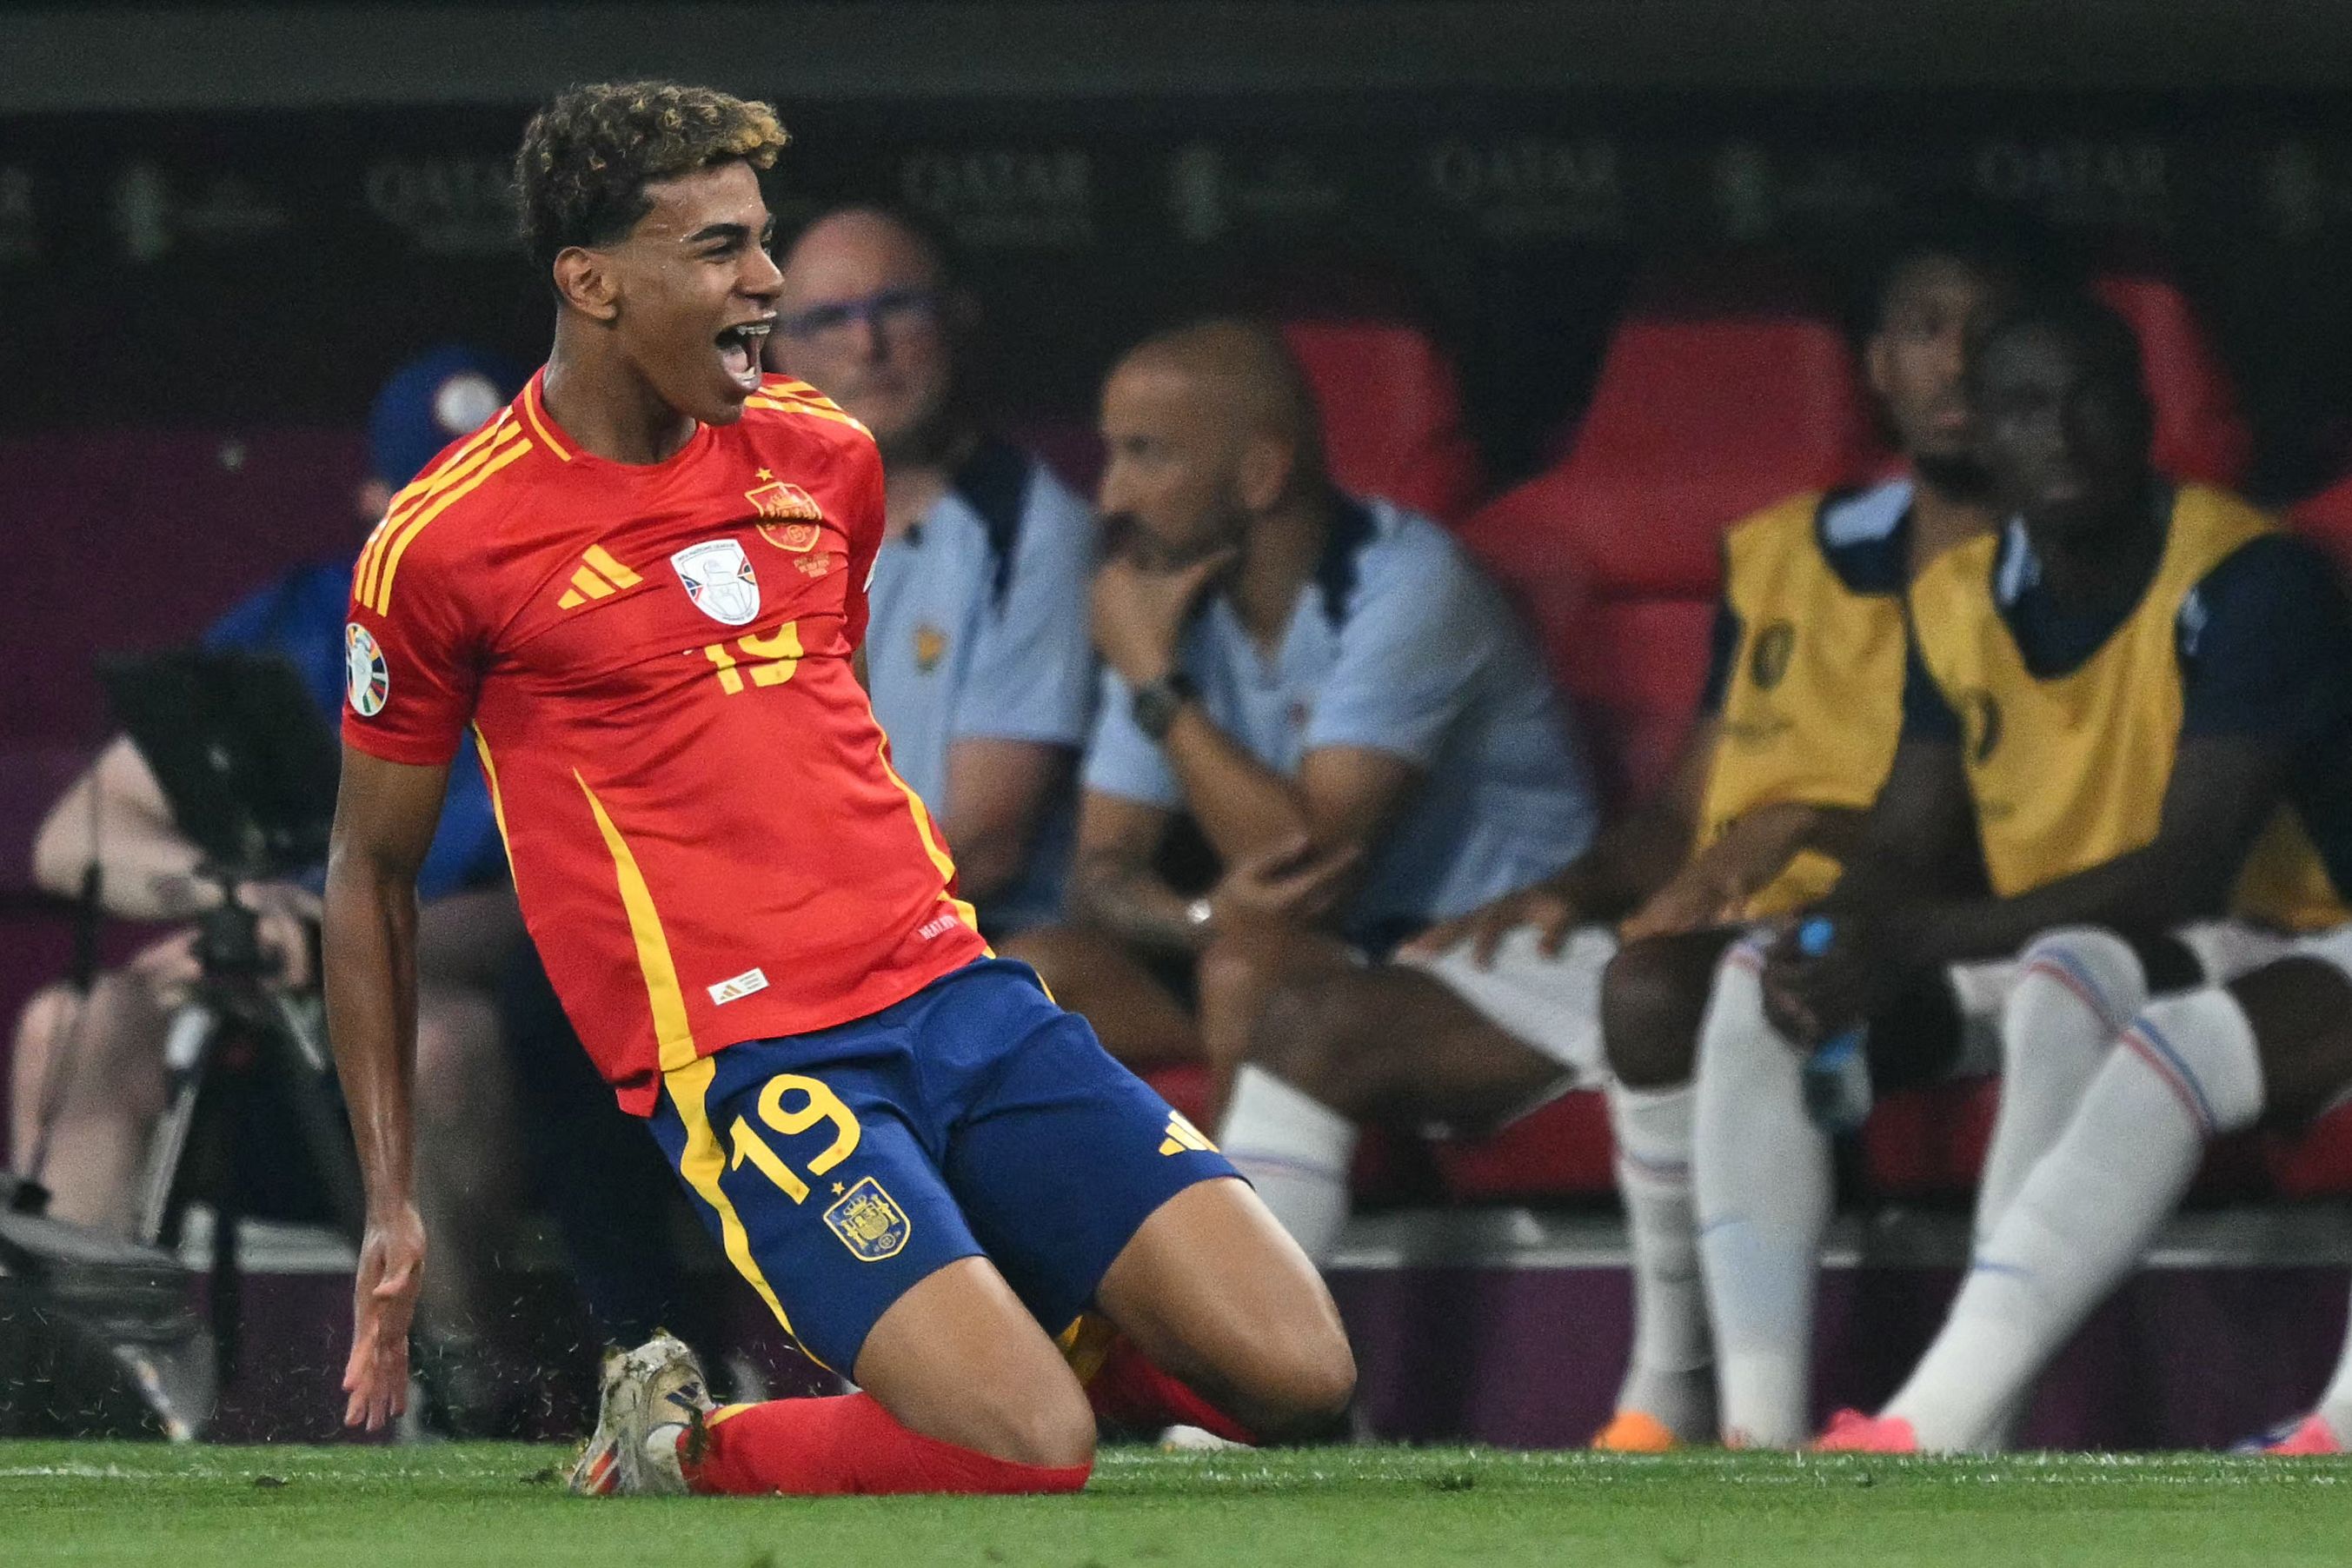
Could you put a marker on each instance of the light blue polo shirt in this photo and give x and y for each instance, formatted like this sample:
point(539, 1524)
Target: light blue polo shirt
point(1397, 645)
point(977, 628)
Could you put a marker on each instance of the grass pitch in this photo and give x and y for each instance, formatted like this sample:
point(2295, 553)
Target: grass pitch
point(152, 1507)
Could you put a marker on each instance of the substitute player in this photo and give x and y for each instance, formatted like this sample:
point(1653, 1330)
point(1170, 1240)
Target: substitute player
point(2114, 707)
point(1487, 1017)
point(919, 1163)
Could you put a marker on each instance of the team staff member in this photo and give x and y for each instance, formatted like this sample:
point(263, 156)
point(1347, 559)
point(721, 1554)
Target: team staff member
point(2117, 697)
point(1326, 686)
point(1485, 1017)
point(981, 670)
point(921, 1164)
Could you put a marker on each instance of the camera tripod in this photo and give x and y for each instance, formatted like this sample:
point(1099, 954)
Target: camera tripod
point(240, 1046)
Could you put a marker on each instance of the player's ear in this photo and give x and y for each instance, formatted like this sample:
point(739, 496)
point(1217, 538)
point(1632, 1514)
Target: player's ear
point(1266, 466)
point(584, 280)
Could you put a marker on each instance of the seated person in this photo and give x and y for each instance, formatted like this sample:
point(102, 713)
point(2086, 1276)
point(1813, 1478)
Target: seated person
point(1484, 1018)
point(1329, 688)
point(978, 661)
point(2108, 720)
point(88, 1070)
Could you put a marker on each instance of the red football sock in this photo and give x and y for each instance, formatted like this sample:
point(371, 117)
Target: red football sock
point(851, 1446)
point(1129, 1391)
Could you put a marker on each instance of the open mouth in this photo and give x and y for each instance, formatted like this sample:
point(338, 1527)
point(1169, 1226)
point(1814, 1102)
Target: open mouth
point(739, 350)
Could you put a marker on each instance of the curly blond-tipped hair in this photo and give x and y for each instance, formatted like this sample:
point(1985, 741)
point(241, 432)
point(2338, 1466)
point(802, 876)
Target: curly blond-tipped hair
point(587, 157)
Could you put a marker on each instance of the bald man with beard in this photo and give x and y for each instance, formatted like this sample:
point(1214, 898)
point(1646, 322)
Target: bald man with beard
point(1325, 684)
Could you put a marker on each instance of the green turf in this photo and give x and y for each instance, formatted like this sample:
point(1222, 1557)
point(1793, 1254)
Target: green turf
point(258, 1508)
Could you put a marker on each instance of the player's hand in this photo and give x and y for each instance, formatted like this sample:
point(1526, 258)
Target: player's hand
point(1698, 897)
point(1140, 611)
point(1811, 999)
point(1293, 882)
point(1546, 907)
point(384, 1300)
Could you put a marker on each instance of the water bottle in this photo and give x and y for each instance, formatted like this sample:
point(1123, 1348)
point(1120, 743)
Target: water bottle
point(1836, 1076)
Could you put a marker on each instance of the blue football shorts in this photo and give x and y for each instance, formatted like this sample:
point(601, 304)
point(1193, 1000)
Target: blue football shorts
point(839, 1168)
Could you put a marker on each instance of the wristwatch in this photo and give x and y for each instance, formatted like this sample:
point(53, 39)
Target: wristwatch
point(1155, 707)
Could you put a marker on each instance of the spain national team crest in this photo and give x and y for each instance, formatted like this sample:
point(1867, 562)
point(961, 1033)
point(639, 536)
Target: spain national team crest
point(869, 1223)
point(366, 680)
point(788, 516)
point(718, 578)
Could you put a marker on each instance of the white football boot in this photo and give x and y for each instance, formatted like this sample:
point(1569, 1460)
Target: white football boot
point(650, 1421)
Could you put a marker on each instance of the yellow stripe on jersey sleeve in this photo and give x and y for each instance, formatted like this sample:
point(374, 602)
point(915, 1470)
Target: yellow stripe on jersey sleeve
point(408, 534)
point(458, 463)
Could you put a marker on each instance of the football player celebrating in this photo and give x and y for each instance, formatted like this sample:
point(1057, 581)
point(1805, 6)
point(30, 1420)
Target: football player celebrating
point(921, 1163)
point(2121, 715)
point(1487, 1016)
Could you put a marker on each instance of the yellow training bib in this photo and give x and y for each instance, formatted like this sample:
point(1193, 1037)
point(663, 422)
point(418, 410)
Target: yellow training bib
point(1815, 704)
point(2071, 771)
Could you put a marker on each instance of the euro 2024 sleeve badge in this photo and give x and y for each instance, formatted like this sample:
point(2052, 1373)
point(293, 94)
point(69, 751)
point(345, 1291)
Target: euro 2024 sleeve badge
point(719, 579)
point(366, 679)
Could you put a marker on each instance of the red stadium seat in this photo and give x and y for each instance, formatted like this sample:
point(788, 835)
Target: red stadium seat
point(2325, 520)
point(1392, 407)
point(2315, 1163)
point(2201, 432)
point(1560, 1151)
point(1720, 394)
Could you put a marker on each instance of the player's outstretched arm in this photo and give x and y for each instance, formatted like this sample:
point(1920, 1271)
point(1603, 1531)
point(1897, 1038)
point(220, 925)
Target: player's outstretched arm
point(384, 816)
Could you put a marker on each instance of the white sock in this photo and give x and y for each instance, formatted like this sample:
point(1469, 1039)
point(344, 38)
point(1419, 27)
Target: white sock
point(1761, 1175)
point(1297, 1152)
point(1666, 1376)
point(2187, 1071)
point(2078, 990)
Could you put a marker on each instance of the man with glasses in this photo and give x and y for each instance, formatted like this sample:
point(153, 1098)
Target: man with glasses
point(979, 660)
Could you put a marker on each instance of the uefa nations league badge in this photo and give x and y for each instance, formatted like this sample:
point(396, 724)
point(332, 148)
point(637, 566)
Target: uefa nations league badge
point(718, 578)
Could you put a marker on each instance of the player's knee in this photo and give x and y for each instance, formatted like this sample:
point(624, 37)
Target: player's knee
point(1650, 1011)
point(1308, 1392)
point(1053, 1429)
point(1314, 1036)
point(2098, 967)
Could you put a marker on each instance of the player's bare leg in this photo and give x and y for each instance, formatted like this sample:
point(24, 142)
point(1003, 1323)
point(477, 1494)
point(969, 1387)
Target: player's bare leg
point(1391, 1046)
point(1211, 1289)
point(1239, 975)
point(1653, 1001)
point(1095, 975)
point(91, 1069)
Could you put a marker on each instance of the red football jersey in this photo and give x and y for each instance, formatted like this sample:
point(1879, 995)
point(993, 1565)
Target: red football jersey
point(707, 839)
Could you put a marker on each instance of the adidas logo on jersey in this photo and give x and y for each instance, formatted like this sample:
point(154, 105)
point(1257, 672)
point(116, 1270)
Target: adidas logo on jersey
point(600, 578)
point(1185, 1138)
